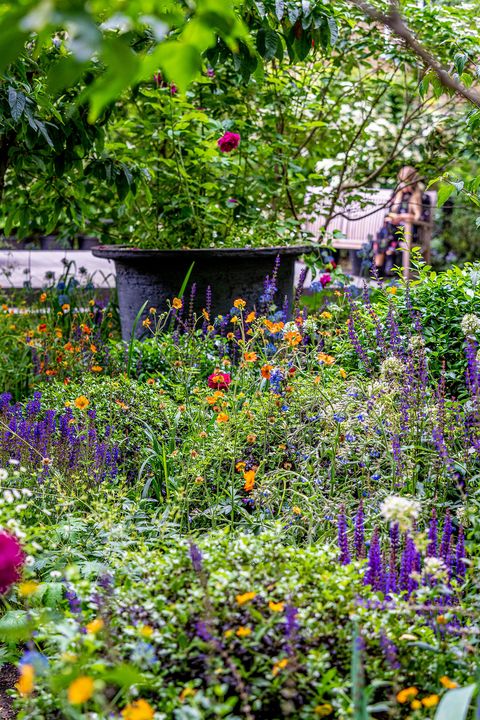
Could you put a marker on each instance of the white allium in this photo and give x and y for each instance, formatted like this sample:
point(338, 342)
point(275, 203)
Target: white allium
point(400, 511)
point(470, 324)
point(392, 368)
point(3, 474)
point(435, 568)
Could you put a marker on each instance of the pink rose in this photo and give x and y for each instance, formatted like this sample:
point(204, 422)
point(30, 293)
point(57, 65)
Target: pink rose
point(12, 559)
point(228, 142)
point(219, 380)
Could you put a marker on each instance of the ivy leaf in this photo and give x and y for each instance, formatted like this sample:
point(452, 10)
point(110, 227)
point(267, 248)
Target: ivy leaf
point(17, 102)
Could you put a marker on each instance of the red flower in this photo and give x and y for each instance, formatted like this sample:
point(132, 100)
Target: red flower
point(219, 380)
point(12, 559)
point(228, 142)
point(325, 279)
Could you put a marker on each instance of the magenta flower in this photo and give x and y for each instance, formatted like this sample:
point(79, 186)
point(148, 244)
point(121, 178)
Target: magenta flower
point(219, 380)
point(228, 142)
point(325, 279)
point(12, 559)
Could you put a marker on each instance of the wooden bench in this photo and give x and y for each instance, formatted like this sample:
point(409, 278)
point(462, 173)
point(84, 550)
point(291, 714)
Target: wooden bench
point(355, 223)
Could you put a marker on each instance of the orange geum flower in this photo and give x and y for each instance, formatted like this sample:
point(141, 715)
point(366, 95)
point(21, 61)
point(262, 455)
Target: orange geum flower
point(243, 631)
point(276, 606)
point(138, 710)
point(69, 347)
point(407, 694)
point(230, 336)
point(447, 683)
point(245, 597)
point(239, 304)
point(326, 315)
point(97, 368)
point(177, 303)
point(206, 315)
point(240, 466)
point(85, 329)
point(325, 359)
point(93, 348)
point(42, 327)
point(146, 323)
point(80, 690)
point(81, 402)
point(151, 381)
point(25, 682)
point(43, 297)
point(279, 665)
point(222, 418)
point(95, 626)
point(66, 307)
point(251, 316)
point(342, 373)
point(249, 477)
point(251, 438)
point(51, 372)
point(152, 311)
point(266, 371)
point(293, 338)
point(430, 701)
point(250, 357)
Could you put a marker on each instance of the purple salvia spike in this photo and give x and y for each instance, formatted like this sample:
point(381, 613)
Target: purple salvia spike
point(375, 575)
point(433, 535)
point(460, 555)
point(359, 534)
point(446, 537)
point(342, 537)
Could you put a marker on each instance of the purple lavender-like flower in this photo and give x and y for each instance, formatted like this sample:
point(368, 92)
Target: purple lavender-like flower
point(299, 288)
point(202, 631)
point(409, 564)
point(195, 557)
point(342, 537)
point(433, 535)
point(446, 537)
point(359, 533)
point(291, 622)
point(390, 651)
point(375, 575)
point(392, 565)
point(460, 555)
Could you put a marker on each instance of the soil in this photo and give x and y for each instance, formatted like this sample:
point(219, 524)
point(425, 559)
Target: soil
point(8, 678)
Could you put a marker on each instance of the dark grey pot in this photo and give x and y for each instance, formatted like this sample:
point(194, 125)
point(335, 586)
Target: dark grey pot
point(156, 276)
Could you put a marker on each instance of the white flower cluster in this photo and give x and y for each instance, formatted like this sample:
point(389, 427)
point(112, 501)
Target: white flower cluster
point(310, 326)
point(392, 369)
point(400, 510)
point(435, 568)
point(289, 327)
point(470, 324)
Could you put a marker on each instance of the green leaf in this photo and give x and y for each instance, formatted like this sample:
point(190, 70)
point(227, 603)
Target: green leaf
point(180, 62)
point(122, 68)
point(64, 74)
point(17, 102)
point(267, 42)
point(279, 9)
point(124, 676)
point(444, 193)
point(15, 625)
point(455, 704)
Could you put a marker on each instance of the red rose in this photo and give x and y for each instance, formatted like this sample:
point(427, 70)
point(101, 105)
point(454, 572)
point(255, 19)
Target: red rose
point(228, 142)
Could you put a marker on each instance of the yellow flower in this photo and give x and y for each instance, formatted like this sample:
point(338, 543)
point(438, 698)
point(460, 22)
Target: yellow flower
point(97, 368)
point(343, 373)
point(296, 510)
point(146, 323)
point(447, 683)
point(276, 606)
point(177, 303)
point(323, 710)
point(430, 701)
point(25, 682)
point(95, 626)
point(234, 319)
point(326, 315)
point(407, 694)
point(250, 317)
point(442, 620)
point(415, 704)
point(152, 311)
point(27, 588)
point(239, 304)
point(392, 290)
point(138, 710)
point(65, 307)
point(228, 633)
point(80, 690)
point(279, 665)
point(246, 597)
point(146, 631)
point(243, 631)
point(82, 402)
point(222, 418)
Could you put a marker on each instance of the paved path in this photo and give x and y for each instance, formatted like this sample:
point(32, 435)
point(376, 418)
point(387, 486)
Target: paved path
point(18, 266)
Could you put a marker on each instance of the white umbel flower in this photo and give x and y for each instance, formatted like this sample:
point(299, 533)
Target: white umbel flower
point(401, 511)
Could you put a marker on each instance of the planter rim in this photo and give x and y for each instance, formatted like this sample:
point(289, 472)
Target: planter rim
point(120, 252)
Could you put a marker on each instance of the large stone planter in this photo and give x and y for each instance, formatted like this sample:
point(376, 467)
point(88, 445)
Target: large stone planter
point(156, 276)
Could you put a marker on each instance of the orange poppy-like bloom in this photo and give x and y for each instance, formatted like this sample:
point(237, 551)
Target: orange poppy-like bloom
point(249, 477)
point(80, 690)
point(177, 303)
point(42, 327)
point(245, 597)
point(273, 327)
point(146, 323)
point(97, 368)
point(50, 372)
point(82, 402)
point(447, 683)
point(43, 297)
point(266, 371)
point(279, 665)
point(251, 316)
point(25, 682)
point(222, 418)
point(243, 631)
point(239, 303)
point(250, 357)
point(293, 338)
point(240, 466)
point(138, 710)
point(325, 359)
point(430, 701)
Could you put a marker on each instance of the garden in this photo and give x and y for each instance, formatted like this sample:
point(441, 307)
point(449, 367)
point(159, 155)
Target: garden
point(243, 483)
